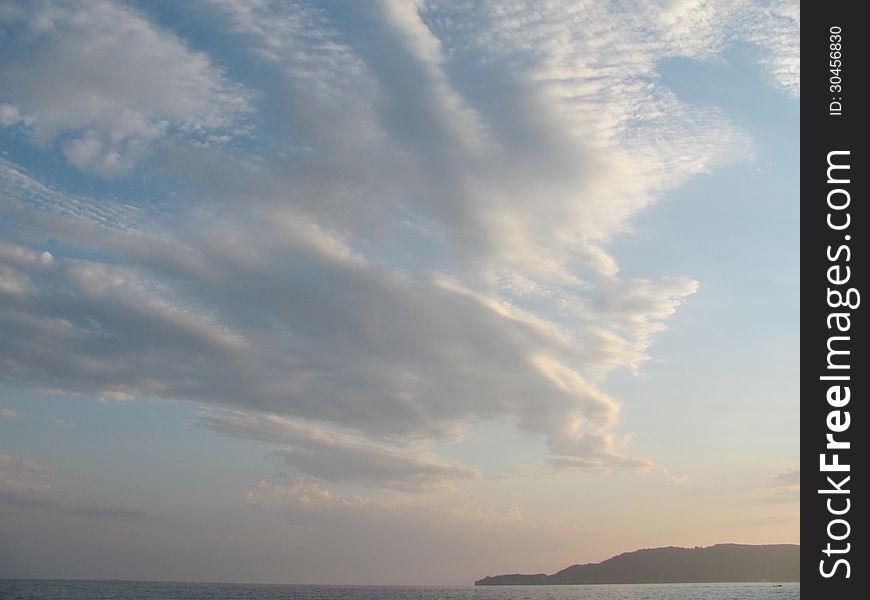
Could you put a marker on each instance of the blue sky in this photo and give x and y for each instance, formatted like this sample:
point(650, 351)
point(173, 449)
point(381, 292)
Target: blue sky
point(503, 286)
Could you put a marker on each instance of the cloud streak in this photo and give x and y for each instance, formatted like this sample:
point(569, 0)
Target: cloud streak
point(17, 464)
point(7, 414)
point(339, 457)
point(35, 497)
point(17, 493)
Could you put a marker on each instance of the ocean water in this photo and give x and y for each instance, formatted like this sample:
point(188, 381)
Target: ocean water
point(127, 590)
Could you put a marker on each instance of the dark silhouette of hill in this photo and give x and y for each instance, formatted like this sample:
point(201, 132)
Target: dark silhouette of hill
point(719, 563)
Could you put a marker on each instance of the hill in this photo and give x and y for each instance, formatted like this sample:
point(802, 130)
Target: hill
point(719, 563)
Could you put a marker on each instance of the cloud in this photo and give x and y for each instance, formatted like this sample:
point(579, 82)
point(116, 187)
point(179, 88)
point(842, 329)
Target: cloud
point(105, 83)
point(399, 356)
point(339, 457)
point(27, 496)
point(306, 500)
point(26, 197)
point(338, 527)
point(788, 477)
point(503, 135)
point(775, 26)
point(7, 414)
point(417, 242)
point(786, 487)
point(302, 495)
point(17, 464)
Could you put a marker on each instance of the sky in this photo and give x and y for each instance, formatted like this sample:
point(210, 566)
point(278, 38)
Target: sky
point(394, 292)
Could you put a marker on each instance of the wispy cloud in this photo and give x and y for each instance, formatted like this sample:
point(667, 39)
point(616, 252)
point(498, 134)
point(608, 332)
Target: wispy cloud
point(7, 414)
point(788, 477)
point(18, 464)
point(28, 485)
point(340, 457)
point(785, 487)
point(29, 496)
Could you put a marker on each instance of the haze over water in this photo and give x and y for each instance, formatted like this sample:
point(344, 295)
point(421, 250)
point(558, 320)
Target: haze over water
point(104, 590)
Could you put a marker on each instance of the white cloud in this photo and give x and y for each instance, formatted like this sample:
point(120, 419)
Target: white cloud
point(775, 26)
point(8, 414)
point(431, 251)
point(382, 353)
point(523, 139)
point(107, 83)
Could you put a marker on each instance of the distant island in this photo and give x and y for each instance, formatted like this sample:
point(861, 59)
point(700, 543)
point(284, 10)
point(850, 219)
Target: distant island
point(714, 564)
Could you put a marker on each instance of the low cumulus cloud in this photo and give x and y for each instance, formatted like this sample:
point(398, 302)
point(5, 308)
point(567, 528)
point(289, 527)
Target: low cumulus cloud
point(416, 242)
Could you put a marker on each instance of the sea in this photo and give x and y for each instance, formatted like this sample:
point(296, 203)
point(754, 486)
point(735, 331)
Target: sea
point(131, 590)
